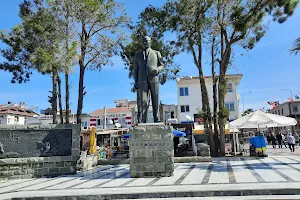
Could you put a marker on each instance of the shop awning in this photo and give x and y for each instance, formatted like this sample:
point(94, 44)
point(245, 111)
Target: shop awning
point(112, 133)
point(199, 129)
point(261, 119)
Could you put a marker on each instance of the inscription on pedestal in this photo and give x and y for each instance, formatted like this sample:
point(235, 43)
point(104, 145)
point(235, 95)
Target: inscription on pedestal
point(151, 151)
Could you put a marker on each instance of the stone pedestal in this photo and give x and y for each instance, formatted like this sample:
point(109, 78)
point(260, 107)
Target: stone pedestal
point(151, 151)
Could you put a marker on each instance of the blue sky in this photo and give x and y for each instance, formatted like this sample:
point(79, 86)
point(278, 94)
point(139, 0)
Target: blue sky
point(266, 68)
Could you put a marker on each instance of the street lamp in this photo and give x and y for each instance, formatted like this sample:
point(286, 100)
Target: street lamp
point(243, 99)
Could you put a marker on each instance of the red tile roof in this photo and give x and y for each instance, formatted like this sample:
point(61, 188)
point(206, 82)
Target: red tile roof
point(16, 110)
point(111, 110)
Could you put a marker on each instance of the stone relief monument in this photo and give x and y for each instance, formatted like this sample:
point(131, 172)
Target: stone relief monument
point(147, 66)
point(32, 143)
point(151, 145)
point(34, 151)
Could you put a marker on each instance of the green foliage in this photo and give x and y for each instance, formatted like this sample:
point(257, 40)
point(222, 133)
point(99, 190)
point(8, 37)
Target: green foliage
point(35, 44)
point(16, 55)
point(203, 113)
point(100, 25)
point(248, 111)
point(296, 47)
point(243, 20)
point(224, 114)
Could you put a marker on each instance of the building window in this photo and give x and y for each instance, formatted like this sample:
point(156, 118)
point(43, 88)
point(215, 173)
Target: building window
point(230, 106)
point(167, 115)
point(185, 108)
point(295, 109)
point(184, 91)
point(229, 87)
point(122, 120)
point(172, 115)
point(98, 122)
point(84, 123)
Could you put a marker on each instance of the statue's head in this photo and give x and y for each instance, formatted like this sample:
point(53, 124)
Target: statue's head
point(147, 42)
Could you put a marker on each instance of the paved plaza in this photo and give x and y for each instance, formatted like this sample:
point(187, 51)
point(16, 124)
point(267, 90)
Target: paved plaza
point(221, 174)
point(284, 151)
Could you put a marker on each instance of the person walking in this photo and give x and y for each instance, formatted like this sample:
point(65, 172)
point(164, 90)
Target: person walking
point(283, 139)
point(273, 140)
point(279, 139)
point(291, 142)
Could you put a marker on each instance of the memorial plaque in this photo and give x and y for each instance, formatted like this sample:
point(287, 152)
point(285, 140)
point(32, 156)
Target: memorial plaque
point(35, 143)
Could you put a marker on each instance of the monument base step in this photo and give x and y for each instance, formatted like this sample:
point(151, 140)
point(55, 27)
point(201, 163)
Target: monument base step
point(189, 159)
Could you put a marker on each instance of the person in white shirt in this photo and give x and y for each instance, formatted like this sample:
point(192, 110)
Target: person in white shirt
point(283, 139)
point(291, 142)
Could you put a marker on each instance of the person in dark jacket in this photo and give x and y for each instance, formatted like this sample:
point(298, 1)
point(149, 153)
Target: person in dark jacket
point(279, 140)
point(269, 138)
point(273, 140)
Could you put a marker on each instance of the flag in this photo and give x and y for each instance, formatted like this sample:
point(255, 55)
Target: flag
point(291, 100)
point(262, 109)
point(270, 102)
point(296, 96)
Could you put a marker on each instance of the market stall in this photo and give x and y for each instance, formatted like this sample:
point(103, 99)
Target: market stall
point(259, 119)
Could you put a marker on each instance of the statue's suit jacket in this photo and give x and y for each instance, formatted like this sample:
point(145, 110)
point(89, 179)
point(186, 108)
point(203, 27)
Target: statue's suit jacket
point(147, 67)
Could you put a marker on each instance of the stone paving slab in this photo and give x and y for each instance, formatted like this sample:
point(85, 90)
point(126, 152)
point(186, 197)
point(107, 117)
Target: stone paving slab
point(223, 176)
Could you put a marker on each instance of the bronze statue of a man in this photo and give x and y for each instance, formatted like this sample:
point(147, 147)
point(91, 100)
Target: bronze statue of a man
point(147, 66)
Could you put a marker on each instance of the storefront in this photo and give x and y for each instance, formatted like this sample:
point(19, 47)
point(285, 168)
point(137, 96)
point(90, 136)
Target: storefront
point(123, 116)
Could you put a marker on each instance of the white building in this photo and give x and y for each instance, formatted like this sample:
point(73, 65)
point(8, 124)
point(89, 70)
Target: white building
point(289, 109)
point(189, 96)
point(167, 111)
point(15, 114)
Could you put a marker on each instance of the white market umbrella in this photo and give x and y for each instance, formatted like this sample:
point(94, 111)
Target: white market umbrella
point(260, 118)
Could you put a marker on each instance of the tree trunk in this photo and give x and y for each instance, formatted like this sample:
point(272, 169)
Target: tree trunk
point(215, 99)
point(67, 67)
point(54, 97)
point(207, 113)
point(222, 91)
point(59, 101)
point(83, 43)
point(205, 101)
point(221, 85)
point(67, 97)
point(80, 93)
point(221, 116)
